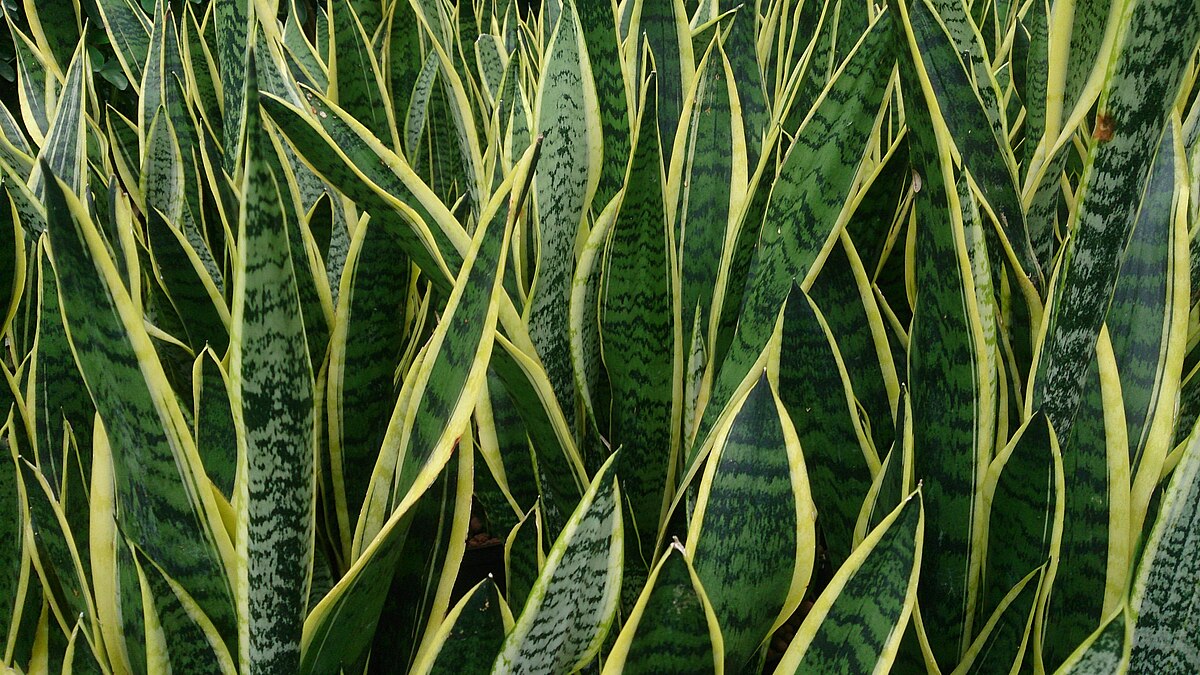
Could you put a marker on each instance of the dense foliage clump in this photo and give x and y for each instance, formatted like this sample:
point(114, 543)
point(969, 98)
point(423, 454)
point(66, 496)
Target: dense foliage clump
point(666, 336)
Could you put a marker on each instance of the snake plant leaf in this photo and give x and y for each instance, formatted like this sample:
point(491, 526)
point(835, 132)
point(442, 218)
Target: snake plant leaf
point(56, 28)
point(664, 26)
point(165, 506)
point(12, 132)
point(573, 602)
point(181, 267)
point(402, 59)
point(894, 480)
point(440, 161)
point(591, 379)
point(814, 387)
point(12, 261)
point(271, 393)
point(803, 55)
point(747, 74)
point(57, 398)
point(1138, 91)
point(365, 351)
point(1164, 598)
point(355, 80)
point(1094, 565)
point(639, 336)
point(79, 656)
point(1151, 291)
point(12, 527)
point(560, 470)
point(517, 129)
point(215, 429)
point(856, 624)
point(14, 149)
point(117, 595)
point(1072, 72)
point(124, 145)
point(949, 359)
point(370, 13)
point(672, 628)
point(598, 19)
point(567, 116)
point(1024, 499)
point(162, 174)
point(504, 444)
point(199, 66)
point(344, 154)
point(983, 153)
point(853, 19)
point(1042, 211)
point(65, 149)
point(37, 86)
point(1107, 650)
point(306, 64)
point(194, 644)
point(427, 569)
point(709, 180)
point(524, 557)
point(117, 229)
point(844, 292)
point(417, 113)
point(57, 549)
point(128, 30)
point(234, 21)
point(455, 126)
point(339, 630)
point(298, 187)
point(752, 534)
point(197, 154)
point(471, 634)
point(807, 203)
point(162, 62)
point(490, 59)
point(1004, 642)
point(445, 382)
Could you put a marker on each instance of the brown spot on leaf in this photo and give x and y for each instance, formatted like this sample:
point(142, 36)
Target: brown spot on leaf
point(1103, 132)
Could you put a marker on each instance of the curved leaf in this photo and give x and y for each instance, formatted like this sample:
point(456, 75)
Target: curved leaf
point(856, 624)
point(752, 534)
point(574, 600)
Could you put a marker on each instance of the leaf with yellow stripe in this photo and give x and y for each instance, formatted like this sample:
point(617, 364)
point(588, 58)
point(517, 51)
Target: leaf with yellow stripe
point(164, 502)
point(574, 601)
point(856, 624)
point(271, 394)
point(752, 532)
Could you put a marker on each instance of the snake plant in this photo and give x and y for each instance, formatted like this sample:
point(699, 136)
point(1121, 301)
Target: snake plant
point(788, 336)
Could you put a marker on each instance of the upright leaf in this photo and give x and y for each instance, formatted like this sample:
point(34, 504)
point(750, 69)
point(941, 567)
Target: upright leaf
point(752, 531)
point(339, 630)
point(638, 335)
point(672, 628)
point(948, 361)
point(568, 119)
point(1141, 85)
point(1166, 599)
point(815, 389)
point(806, 207)
point(272, 396)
